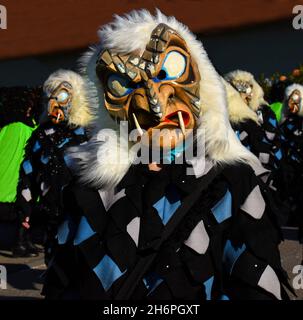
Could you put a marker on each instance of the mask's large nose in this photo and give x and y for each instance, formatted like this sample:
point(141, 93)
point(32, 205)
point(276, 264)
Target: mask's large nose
point(166, 92)
point(54, 112)
point(159, 95)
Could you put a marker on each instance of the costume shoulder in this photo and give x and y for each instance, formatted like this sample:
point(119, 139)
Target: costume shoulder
point(35, 143)
point(241, 180)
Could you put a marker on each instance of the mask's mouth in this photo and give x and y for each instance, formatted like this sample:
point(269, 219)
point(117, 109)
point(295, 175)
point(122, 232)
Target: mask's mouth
point(177, 118)
point(56, 115)
point(294, 108)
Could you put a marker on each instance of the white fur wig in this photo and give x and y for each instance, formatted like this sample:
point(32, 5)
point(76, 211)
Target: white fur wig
point(131, 33)
point(238, 110)
point(288, 91)
point(81, 114)
point(257, 92)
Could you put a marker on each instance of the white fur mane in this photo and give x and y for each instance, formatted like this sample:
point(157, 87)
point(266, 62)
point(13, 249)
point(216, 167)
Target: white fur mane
point(127, 34)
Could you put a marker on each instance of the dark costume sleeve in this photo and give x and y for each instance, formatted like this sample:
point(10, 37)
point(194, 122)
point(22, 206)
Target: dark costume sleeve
point(292, 129)
point(254, 240)
point(226, 247)
point(253, 138)
point(278, 163)
point(291, 174)
point(44, 174)
point(273, 135)
point(28, 190)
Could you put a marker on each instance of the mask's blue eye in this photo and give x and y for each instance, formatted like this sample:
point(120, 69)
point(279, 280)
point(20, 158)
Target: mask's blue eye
point(119, 86)
point(62, 96)
point(173, 66)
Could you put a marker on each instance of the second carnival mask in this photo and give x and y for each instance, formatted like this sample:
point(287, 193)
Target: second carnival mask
point(59, 103)
point(245, 89)
point(295, 102)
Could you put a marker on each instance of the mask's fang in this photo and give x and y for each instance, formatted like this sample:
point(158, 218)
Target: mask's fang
point(181, 122)
point(58, 117)
point(137, 125)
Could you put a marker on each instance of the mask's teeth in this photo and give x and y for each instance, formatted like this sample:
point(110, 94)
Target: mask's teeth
point(58, 117)
point(181, 122)
point(137, 125)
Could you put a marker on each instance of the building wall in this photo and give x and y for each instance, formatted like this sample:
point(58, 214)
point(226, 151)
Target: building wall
point(41, 27)
point(262, 49)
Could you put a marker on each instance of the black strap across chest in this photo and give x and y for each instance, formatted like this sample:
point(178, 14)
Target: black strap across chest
point(145, 262)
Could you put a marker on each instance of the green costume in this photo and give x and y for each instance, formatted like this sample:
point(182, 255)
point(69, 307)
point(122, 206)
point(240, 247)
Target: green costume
point(276, 107)
point(13, 138)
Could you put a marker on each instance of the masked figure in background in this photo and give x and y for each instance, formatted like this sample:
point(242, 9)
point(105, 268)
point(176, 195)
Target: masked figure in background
point(44, 172)
point(246, 125)
point(292, 113)
point(291, 178)
point(165, 229)
point(250, 91)
point(20, 108)
point(260, 134)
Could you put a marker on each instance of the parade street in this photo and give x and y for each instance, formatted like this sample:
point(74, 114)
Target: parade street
point(25, 275)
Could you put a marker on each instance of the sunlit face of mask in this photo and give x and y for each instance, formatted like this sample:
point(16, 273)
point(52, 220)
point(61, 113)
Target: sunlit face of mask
point(245, 89)
point(59, 103)
point(294, 102)
point(156, 90)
